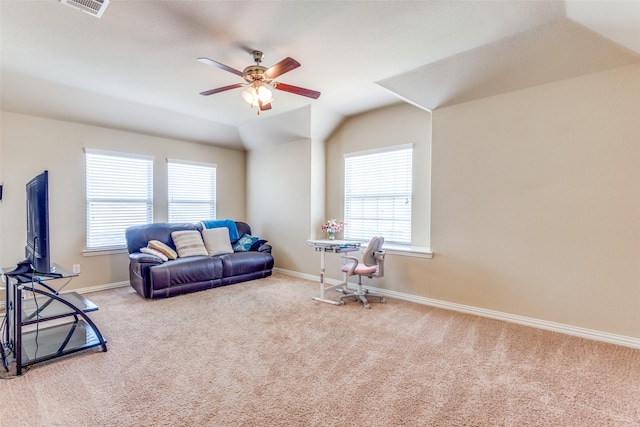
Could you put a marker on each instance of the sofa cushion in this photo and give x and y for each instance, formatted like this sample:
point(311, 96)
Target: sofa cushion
point(182, 271)
point(243, 228)
point(165, 249)
point(139, 236)
point(216, 240)
point(244, 243)
point(188, 243)
point(240, 263)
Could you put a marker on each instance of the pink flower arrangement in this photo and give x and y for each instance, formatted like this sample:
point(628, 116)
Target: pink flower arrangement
point(332, 226)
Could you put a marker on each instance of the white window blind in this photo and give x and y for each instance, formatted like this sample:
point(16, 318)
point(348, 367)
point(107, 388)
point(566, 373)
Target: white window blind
point(192, 191)
point(378, 194)
point(119, 194)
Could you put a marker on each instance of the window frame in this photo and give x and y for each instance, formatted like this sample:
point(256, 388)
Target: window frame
point(91, 247)
point(390, 195)
point(211, 202)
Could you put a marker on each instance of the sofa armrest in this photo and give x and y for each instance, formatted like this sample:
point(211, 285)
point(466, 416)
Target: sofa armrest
point(265, 247)
point(142, 258)
point(139, 265)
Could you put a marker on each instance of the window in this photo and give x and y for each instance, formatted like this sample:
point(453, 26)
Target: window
point(192, 191)
point(378, 193)
point(119, 194)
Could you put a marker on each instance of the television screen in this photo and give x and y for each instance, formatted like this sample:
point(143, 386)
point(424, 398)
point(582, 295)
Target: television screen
point(37, 249)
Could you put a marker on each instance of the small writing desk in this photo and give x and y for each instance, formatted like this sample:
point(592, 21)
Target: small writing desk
point(336, 246)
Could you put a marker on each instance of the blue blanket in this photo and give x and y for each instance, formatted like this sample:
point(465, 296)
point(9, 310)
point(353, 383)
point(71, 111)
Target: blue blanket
point(229, 223)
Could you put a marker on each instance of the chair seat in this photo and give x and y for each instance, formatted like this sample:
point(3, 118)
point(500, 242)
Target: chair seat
point(360, 269)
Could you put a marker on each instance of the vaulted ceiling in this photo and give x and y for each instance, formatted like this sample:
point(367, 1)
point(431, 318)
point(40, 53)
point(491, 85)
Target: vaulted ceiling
point(135, 68)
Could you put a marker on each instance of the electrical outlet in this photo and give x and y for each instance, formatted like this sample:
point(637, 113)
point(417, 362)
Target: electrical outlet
point(76, 268)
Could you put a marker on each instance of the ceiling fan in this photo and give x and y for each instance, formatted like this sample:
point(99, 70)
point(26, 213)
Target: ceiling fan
point(259, 79)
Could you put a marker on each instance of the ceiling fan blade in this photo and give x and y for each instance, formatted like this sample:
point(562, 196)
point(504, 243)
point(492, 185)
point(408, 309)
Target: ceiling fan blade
point(221, 66)
point(284, 66)
point(297, 90)
point(221, 89)
point(264, 107)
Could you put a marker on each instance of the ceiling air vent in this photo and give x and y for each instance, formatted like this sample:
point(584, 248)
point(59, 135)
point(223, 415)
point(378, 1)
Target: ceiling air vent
point(92, 7)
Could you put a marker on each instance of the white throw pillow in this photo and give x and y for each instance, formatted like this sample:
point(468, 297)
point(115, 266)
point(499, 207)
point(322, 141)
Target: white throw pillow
point(188, 243)
point(216, 240)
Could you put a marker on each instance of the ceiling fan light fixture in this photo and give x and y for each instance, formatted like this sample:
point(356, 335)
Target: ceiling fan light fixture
point(264, 95)
point(250, 95)
point(254, 96)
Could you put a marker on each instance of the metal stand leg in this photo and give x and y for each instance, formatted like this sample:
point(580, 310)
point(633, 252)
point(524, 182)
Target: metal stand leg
point(322, 287)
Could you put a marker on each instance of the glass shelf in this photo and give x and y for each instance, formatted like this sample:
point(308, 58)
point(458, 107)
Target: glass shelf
point(57, 272)
point(47, 308)
point(58, 340)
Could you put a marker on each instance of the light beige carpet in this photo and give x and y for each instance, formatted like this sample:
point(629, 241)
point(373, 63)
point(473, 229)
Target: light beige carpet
point(263, 353)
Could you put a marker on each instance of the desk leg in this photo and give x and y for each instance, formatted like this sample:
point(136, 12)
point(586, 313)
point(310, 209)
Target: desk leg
point(322, 288)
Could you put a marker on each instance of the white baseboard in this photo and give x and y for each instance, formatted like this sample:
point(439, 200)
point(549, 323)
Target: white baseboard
point(102, 287)
point(483, 312)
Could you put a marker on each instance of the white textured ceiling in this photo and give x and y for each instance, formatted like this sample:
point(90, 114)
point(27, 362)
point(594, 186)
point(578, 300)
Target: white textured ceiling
point(135, 68)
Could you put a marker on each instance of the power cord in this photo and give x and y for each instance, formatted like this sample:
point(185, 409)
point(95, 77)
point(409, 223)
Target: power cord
point(3, 328)
point(35, 301)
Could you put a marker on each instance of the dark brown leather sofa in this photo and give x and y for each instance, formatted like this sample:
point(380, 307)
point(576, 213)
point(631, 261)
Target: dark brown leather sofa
point(152, 278)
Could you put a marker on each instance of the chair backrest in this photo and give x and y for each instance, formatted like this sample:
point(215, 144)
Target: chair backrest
point(369, 254)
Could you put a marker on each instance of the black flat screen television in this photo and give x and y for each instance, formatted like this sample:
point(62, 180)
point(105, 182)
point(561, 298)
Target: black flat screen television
point(37, 249)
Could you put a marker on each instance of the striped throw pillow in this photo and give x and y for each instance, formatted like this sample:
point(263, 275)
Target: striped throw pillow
point(188, 243)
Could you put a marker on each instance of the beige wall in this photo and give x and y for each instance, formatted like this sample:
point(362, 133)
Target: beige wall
point(536, 203)
point(279, 200)
point(318, 188)
point(30, 145)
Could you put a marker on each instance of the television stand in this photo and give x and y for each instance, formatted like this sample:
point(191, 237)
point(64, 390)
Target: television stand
point(31, 334)
point(24, 268)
